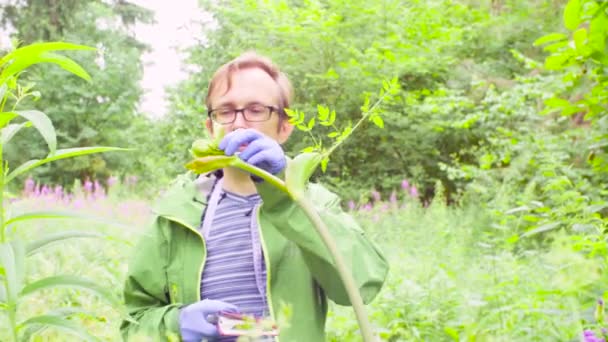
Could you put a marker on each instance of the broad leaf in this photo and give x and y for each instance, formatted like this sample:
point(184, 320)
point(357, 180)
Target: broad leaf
point(33, 329)
point(9, 131)
point(6, 117)
point(24, 57)
point(60, 323)
point(43, 124)
point(552, 37)
point(35, 246)
point(210, 163)
point(572, 15)
point(69, 281)
point(299, 171)
point(60, 154)
point(66, 64)
point(36, 215)
point(541, 229)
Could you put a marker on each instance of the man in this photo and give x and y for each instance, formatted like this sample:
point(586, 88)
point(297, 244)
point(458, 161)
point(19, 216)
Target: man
point(228, 242)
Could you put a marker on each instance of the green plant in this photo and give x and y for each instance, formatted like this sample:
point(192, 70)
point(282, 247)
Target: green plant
point(13, 250)
point(297, 173)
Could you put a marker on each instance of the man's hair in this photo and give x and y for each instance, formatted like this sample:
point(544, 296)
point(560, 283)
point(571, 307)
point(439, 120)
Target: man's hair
point(251, 60)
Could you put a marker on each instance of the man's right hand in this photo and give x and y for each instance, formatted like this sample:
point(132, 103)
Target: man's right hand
point(193, 324)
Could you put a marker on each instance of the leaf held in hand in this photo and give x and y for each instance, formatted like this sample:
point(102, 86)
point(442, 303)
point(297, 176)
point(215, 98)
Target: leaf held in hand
point(210, 163)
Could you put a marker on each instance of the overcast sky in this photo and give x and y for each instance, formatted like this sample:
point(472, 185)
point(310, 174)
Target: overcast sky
point(175, 26)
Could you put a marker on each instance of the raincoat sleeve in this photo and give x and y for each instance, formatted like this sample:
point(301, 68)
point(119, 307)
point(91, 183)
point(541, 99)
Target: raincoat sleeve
point(367, 264)
point(146, 296)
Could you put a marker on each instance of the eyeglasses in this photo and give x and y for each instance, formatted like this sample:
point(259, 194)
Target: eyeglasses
point(251, 113)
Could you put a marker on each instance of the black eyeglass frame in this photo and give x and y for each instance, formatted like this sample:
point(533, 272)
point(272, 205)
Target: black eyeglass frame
point(271, 109)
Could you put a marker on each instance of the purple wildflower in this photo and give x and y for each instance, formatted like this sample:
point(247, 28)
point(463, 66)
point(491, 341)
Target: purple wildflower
point(405, 184)
point(112, 180)
point(414, 192)
point(351, 205)
point(29, 186)
point(393, 198)
point(367, 207)
point(88, 186)
point(58, 192)
point(589, 336)
point(376, 195)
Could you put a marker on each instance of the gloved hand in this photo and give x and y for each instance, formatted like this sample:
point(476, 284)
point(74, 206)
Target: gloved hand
point(193, 323)
point(261, 151)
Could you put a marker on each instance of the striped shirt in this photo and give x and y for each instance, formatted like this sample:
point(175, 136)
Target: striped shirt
point(229, 271)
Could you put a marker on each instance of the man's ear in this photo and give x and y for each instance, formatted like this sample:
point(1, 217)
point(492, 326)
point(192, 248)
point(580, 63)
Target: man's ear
point(285, 129)
point(209, 125)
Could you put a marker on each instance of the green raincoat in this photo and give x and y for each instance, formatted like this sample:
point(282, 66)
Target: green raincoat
point(166, 268)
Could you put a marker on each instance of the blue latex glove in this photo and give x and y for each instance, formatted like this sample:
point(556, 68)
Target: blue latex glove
point(193, 324)
point(261, 151)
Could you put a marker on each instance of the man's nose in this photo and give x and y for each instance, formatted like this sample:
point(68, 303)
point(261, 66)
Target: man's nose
point(239, 121)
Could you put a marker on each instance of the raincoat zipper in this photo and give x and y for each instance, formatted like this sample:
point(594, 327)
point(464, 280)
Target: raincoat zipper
point(200, 271)
point(268, 296)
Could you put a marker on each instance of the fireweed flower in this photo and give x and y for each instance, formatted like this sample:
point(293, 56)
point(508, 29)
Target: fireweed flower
point(376, 196)
point(393, 198)
point(112, 180)
point(414, 192)
point(405, 185)
point(29, 186)
point(589, 336)
point(351, 205)
point(88, 186)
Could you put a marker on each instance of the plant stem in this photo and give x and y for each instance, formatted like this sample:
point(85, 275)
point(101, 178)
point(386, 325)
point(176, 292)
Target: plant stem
point(2, 228)
point(345, 275)
point(268, 177)
point(13, 321)
point(365, 116)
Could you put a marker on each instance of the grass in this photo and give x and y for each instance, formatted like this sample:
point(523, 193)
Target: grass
point(453, 277)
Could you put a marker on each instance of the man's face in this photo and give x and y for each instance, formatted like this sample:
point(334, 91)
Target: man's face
point(250, 86)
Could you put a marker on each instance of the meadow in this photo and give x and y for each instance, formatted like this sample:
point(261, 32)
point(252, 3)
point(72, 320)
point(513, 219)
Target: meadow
point(453, 277)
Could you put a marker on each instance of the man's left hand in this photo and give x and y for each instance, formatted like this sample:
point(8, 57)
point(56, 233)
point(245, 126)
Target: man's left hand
point(261, 151)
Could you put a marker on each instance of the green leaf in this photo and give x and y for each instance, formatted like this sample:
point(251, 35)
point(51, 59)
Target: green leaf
point(66, 64)
point(333, 134)
point(557, 102)
point(598, 29)
point(580, 38)
point(572, 15)
point(26, 56)
point(377, 120)
point(6, 117)
point(49, 239)
point(43, 124)
point(60, 154)
point(299, 171)
point(12, 261)
point(552, 37)
point(9, 131)
point(556, 62)
point(210, 163)
point(3, 88)
point(60, 323)
point(70, 281)
point(323, 112)
point(541, 229)
point(311, 123)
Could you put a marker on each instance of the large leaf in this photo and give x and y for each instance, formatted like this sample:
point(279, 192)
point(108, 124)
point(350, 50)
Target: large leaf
point(60, 323)
point(65, 312)
point(541, 229)
point(572, 15)
point(6, 117)
point(43, 124)
point(69, 281)
point(9, 131)
point(49, 239)
point(24, 57)
point(12, 262)
point(60, 154)
point(210, 163)
point(299, 171)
